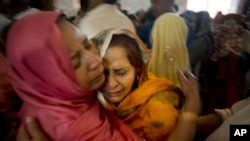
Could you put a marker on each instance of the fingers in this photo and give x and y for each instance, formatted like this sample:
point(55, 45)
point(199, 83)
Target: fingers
point(182, 78)
point(190, 88)
point(188, 82)
point(32, 127)
point(186, 75)
point(34, 130)
point(22, 134)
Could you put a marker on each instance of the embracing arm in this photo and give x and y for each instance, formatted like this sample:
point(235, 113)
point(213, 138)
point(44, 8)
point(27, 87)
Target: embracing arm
point(186, 126)
point(31, 131)
point(206, 124)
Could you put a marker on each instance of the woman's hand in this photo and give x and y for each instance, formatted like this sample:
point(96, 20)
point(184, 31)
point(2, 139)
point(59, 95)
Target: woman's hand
point(31, 131)
point(190, 88)
point(185, 128)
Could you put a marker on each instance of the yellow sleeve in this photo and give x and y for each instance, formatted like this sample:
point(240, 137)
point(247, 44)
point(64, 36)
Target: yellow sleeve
point(159, 116)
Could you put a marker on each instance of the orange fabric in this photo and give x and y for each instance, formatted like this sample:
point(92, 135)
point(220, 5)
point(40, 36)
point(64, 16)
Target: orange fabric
point(148, 110)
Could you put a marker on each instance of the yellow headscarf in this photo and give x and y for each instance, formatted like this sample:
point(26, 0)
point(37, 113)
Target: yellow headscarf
point(169, 51)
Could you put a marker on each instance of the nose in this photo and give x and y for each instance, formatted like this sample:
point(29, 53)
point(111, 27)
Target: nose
point(94, 61)
point(112, 82)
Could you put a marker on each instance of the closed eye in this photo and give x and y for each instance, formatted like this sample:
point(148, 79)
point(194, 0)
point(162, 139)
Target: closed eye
point(76, 60)
point(120, 72)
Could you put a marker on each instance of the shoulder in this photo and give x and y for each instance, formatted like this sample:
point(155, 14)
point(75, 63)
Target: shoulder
point(171, 96)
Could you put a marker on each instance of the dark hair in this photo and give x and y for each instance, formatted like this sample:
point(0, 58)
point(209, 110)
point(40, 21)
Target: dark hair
point(150, 15)
point(3, 7)
point(3, 35)
point(18, 3)
point(42, 4)
point(110, 1)
point(132, 51)
point(200, 16)
point(84, 4)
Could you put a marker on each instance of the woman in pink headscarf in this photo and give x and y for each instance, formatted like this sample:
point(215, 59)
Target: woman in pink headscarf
point(55, 70)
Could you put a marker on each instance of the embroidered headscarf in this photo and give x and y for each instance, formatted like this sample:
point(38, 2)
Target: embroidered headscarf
point(228, 37)
point(169, 51)
point(151, 95)
point(42, 74)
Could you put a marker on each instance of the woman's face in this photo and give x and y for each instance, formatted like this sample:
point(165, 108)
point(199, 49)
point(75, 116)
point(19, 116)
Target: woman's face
point(120, 74)
point(84, 57)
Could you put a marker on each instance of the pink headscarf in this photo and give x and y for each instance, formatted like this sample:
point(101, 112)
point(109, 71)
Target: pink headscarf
point(42, 74)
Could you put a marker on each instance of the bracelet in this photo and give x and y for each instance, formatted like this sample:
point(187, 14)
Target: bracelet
point(223, 113)
point(189, 116)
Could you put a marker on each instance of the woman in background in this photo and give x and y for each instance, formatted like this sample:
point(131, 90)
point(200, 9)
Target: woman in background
point(169, 51)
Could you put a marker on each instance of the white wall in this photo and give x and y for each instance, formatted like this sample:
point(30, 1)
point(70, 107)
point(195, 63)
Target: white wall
point(213, 6)
point(133, 6)
point(69, 7)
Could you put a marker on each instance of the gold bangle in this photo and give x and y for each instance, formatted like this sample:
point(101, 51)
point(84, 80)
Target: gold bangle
point(189, 116)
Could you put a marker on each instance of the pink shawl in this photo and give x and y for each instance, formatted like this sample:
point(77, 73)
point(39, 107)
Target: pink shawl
point(42, 74)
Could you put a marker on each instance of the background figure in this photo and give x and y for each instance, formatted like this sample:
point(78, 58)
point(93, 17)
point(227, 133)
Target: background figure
point(158, 7)
point(169, 52)
point(176, 8)
point(45, 5)
point(226, 68)
point(190, 16)
point(139, 19)
point(25, 7)
point(5, 20)
point(145, 31)
point(101, 15)
point(218, 17)
point(201, 47)
point(5, 11)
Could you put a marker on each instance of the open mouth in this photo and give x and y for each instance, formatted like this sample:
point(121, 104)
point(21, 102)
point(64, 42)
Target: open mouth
point(113, 94)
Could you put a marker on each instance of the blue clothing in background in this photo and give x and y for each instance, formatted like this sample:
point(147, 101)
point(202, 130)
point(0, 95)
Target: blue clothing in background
point(145, 32)
point(190, 35)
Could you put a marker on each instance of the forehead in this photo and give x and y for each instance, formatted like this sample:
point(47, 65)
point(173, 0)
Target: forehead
point(71, 35)
point(115, 52)
point(116, 55)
